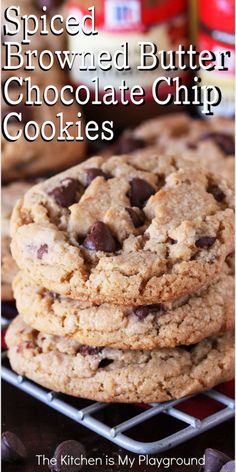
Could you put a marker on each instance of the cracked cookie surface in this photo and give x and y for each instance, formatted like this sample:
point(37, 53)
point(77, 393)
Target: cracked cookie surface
point(186, 321)
point(210, 142)
point(130, 229)
point(106, 374)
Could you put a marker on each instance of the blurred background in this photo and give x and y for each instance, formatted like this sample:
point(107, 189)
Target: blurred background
point(167, 23)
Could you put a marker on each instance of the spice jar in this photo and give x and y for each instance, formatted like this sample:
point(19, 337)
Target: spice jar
point(217, 33)
point(162, 22)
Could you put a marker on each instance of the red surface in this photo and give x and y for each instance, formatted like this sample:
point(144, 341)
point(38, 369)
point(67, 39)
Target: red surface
point(201, 406)
point(217, 14)
point(3, 343)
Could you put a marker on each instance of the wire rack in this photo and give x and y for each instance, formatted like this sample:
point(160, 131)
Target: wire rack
point(189, 426)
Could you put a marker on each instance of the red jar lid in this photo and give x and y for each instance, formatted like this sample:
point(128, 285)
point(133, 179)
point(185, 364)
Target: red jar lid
point(217, 14)
point(162, 11)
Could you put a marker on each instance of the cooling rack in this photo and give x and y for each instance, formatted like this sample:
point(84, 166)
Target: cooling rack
point(121, 434)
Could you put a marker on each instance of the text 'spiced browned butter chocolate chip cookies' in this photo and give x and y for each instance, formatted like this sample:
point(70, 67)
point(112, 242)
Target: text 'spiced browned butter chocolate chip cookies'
point(186, 321)
point(10, 194)
point(132, 229)
point(107, 374)
point(210, 143)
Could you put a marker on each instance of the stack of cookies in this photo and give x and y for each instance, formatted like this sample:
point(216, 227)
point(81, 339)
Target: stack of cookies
point(125, 291)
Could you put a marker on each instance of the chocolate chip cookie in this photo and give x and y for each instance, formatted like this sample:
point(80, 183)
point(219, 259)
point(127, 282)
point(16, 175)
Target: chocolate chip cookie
point(106, 374)
point(133, 229)
point(208, 142)
point(10, 194)
point(186, 321)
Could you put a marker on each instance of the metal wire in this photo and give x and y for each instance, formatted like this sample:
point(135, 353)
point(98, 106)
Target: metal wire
point(84, 416)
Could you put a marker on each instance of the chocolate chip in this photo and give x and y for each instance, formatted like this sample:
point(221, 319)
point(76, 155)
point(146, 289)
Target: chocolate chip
point(53, 295)
point(214, 460)
point(65, 195)
point(192, 146)
point(12, 448)
point(128, 143)
point(43, 249)
point(100, 238)
point(50, 4)
point(104, 363)
point(92, 173)
point(137, 218)
point(205, 241)
point(68, 454)
point(186, 181)
point(229, 467)
point(171, 240)
point(223, 140)
point(143, 311)
point(139, 192)
point(161, 181)
point(89, 351)
point(188, 347)
point(214, 343)
point(216, 192)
